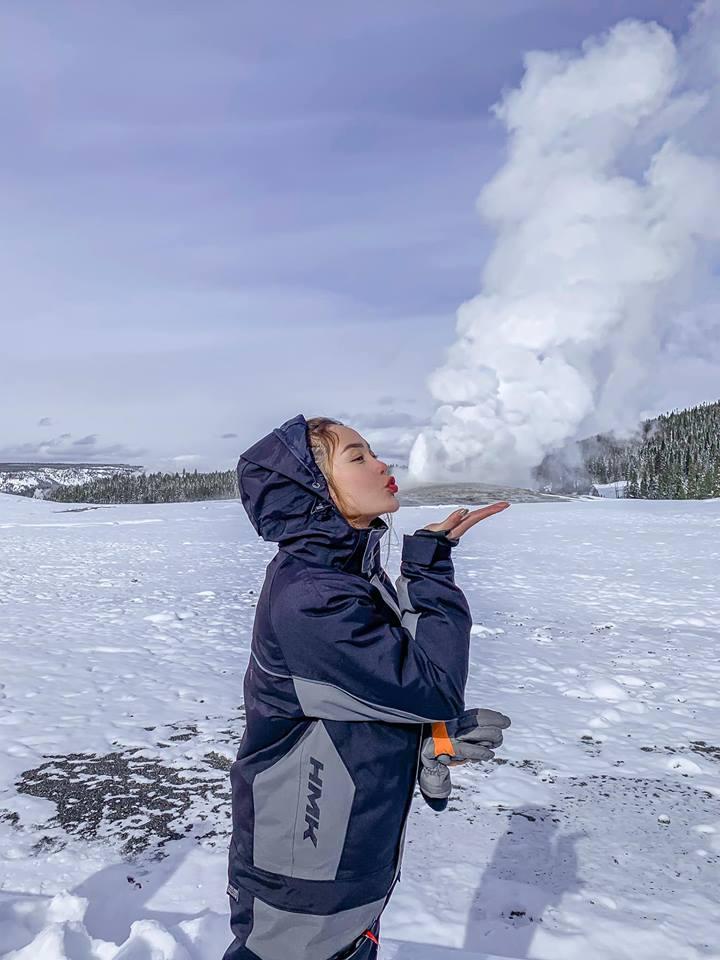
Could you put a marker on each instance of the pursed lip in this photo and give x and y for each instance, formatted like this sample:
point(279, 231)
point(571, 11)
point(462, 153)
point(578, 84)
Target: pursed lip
point(391, 485)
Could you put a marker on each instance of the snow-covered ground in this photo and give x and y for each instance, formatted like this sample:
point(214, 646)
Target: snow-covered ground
point(124, 636)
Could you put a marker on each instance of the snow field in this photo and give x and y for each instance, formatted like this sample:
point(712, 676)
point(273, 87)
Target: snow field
point(124, 636)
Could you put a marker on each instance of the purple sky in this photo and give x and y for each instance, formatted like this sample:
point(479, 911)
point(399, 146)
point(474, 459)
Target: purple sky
point(217, 216)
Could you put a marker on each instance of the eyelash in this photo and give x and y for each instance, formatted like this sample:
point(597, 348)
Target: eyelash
point(356, 459)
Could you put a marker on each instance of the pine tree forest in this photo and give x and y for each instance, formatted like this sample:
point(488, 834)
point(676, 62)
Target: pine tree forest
point(679, 459)
point(675, 456)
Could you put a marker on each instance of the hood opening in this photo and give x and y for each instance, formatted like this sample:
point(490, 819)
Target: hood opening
point(287, 499)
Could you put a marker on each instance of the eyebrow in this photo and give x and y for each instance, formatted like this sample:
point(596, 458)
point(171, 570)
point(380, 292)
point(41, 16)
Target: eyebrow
point(349, 445)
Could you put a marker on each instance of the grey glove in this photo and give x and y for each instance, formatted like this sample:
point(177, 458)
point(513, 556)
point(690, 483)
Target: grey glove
point(471, 736)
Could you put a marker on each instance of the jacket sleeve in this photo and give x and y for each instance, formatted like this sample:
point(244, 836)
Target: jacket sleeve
point(351, 658)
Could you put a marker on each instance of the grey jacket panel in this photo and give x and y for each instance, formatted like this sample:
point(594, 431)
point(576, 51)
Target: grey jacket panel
point(325, 700)
point(386, 595)
point(302, 809)
point(283, 935)
point(409, 616)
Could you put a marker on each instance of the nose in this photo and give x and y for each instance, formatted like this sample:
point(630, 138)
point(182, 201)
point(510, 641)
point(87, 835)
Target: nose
point(383, 465)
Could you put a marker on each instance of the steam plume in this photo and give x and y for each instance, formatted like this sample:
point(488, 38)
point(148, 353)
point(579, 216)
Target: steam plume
point(605, 213)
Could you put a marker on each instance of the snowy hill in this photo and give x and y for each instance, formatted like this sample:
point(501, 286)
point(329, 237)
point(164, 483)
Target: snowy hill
point(33, 479)
point(595, 833)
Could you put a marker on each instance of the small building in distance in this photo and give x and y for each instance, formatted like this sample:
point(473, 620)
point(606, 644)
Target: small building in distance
point(610, 491)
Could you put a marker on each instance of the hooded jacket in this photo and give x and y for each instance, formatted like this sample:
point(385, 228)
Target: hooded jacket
point(345, 670)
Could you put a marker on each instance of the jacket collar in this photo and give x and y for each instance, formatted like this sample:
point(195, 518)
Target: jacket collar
point(288, 502)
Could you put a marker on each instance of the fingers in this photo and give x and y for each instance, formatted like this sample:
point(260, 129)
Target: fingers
point(475, 516)
point(477, 751)
point(489, 736)
point(462, 519)
point(490, 718)
point(451, 521)
point(470, 751)
point(482, 726)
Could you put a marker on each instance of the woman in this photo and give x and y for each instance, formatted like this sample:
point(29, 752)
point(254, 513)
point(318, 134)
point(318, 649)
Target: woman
point(345, 678)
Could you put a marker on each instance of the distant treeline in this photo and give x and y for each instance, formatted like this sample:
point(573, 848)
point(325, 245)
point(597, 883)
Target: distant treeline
point(674, 457)
point(152, 488)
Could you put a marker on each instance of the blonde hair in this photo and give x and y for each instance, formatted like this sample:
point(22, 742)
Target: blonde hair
point(323, 443)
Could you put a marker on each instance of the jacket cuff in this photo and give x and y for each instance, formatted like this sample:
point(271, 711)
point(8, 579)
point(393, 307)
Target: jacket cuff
point(427, 546)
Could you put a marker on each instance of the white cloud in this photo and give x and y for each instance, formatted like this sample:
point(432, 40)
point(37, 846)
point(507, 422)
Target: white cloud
point(186, 458)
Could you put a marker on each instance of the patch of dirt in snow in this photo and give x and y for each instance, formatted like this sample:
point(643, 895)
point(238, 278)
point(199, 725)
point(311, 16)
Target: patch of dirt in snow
point(135, 800)
point(701, 747)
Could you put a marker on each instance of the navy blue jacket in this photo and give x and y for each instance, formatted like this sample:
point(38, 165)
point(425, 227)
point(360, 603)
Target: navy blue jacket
point(345, 671)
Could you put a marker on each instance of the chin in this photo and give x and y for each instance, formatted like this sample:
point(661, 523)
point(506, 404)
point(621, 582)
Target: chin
point(393, 505)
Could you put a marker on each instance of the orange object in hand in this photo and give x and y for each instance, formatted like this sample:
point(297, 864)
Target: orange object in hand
point(441, 738)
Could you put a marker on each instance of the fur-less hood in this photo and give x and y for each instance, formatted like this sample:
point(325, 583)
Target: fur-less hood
point(287, 499)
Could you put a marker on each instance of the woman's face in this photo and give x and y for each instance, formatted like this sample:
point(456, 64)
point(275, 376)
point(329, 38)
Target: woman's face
point(361, 478)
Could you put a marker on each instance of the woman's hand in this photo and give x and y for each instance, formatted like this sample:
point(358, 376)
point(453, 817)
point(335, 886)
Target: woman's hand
point(460, 521)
